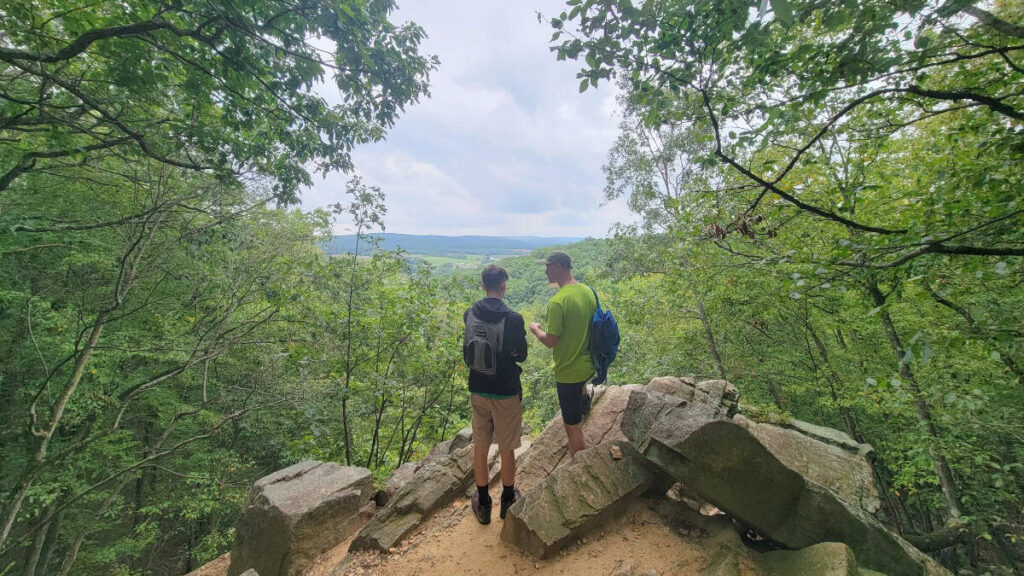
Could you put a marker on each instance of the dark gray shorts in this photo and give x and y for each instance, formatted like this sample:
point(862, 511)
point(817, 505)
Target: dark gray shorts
point(570, 400)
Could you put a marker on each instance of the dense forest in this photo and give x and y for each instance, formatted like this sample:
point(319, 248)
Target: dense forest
point(830, 216)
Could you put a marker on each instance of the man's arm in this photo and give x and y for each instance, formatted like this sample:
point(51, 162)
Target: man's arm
point(549, 340)
point(517, 338)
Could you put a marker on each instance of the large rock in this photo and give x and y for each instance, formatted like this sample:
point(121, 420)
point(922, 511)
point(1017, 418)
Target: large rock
point(436, 484)
point(683, 387)
point(586, 493)
point(728, 465)
point(825, 559)
point(829, 436)
point(398, 479)
point(838, 466)
point(719, 394)
point(295, 514)
point(551, 449)
point(728, 556)
point(463, 438)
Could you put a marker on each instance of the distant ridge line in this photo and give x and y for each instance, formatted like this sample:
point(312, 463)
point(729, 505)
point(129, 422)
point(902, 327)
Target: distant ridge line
point(438, 245)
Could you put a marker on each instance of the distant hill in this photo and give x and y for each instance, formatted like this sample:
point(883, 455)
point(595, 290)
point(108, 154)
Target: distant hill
point(452, 245)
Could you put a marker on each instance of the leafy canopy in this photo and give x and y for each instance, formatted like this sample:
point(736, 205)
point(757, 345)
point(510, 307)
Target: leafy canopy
point(216, 86)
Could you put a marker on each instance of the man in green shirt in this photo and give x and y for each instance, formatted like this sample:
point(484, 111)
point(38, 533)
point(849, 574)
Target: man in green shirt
point(568, 336)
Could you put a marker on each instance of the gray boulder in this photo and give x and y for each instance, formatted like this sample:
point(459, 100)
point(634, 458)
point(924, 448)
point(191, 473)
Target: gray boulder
point(727, 553)
point(442, 450)
point(295, 514)
point(839, 466)
point(464, 437)
point(399, 478)
point(829, 436)
point(551, 448)
point(673, 386)
point(719, 394)
point(728, 465)
point(586, 493)
point(436, 484)
point(825, 559)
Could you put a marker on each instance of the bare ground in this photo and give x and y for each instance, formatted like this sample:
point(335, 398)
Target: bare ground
point(453, 543)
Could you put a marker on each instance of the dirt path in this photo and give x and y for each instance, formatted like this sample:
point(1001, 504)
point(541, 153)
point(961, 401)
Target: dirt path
point(454, 543)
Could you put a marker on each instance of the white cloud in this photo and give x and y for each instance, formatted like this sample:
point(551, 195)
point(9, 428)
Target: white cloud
point(505, 146)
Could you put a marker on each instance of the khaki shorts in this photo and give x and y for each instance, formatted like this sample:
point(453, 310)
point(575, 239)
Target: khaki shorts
point(500, 419)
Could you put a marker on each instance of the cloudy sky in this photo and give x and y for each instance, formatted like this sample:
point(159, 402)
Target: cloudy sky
point(505, 145)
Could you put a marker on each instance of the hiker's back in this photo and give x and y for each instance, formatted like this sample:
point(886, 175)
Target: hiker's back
point(494, 341)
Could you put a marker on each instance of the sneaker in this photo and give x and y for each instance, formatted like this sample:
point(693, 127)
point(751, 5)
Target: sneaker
point(506, 505)
point(482, 511)
point(588, 399)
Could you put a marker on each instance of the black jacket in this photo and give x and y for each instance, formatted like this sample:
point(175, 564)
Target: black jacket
point(506, 380)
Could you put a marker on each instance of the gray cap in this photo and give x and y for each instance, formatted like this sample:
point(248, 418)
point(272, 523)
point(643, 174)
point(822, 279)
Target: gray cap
point(558, 257)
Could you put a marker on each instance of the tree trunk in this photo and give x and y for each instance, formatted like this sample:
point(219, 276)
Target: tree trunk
point(52, 538)
point(834, 383)
point(975, 330)
point(712, 347)
point(348, 349)
point(942, 469)
point(37, 543)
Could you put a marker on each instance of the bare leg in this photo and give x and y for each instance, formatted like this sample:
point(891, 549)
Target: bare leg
point(480, 469)
point(508, 467)
point(575, 434)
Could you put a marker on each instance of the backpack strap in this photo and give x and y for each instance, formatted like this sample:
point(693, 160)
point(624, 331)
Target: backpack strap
point(598, 300)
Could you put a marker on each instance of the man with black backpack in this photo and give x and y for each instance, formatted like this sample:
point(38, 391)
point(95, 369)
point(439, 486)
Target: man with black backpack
point(495, 341)
point(569, 316)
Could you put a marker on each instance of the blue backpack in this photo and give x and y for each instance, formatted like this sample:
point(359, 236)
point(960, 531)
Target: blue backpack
point(604, 340)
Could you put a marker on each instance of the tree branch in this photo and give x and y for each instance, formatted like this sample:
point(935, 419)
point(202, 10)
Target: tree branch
point(992, 21)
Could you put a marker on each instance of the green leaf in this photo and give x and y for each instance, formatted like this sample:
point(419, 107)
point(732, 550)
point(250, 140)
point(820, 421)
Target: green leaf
point(584, 84)
point(783, 11)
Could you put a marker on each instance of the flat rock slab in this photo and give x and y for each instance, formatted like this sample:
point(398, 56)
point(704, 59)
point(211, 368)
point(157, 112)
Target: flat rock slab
point(824, 559)
point(551, 449)
point(719, 394)
point(829, 436)
point(295, 514)
point(436, 484)
point(842, 470)
point(727, 464)
point(576, 498)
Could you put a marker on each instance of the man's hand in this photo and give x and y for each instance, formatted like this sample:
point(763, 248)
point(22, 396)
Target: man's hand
point(546, 339)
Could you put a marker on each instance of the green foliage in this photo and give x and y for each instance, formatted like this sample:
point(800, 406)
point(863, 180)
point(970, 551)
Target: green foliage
point(835, 186)
point(223, 87)
point(154, 306)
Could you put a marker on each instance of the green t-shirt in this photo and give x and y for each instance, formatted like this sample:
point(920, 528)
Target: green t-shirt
point(569, 314)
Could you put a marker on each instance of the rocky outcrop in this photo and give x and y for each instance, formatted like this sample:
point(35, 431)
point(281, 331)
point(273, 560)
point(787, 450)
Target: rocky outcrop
point(295, 514)
point(802, 487)
point(398, 479)
point(577, 497)
point(436, 484)
point(442, 450)
point(834, 461)
point(825, 559)
point(720, 394)
point(725, 463)
point(551, 448)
